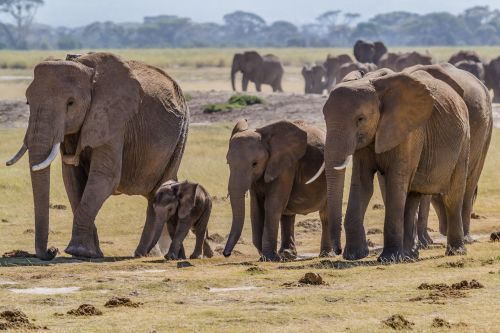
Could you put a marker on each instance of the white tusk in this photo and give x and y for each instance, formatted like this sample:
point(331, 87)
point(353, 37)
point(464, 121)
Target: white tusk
point(345, 164)
point(316, 176)
point(49, 159)
point(18, 156)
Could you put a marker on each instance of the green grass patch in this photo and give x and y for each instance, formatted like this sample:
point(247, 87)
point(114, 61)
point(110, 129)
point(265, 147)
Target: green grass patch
point(234, 102)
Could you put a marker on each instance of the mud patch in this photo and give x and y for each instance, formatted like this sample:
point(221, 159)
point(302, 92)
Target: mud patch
point(495, 236)
point(85, 310)
point(46, 291)
point(310, 224)
point(18, 254)
point(374, 231)
point(58, 207)
point(15, 319)
point(378, 207)
point(122, 301)
point(216, 238)
point(398, 322)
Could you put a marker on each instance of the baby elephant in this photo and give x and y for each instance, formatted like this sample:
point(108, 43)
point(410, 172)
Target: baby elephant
point(183, 206)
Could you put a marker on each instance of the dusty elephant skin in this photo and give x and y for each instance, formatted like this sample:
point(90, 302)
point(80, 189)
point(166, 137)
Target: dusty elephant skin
point(393, 124)
point(182, 207)
point(257, 69)
point(125, 138)
point(314, 78)
point(274, 162)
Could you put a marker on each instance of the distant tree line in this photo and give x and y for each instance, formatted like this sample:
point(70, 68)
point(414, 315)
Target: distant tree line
point(475, 26)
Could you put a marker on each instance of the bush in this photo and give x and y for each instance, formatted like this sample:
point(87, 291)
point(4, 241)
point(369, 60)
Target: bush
point(18, 65)
point(235, 102)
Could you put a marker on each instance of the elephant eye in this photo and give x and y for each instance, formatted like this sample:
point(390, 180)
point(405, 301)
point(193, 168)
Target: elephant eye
point(70, 102)
point(360, 120)
point(254, 164)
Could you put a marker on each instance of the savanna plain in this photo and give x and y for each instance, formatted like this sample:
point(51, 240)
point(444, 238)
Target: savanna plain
point(236, 293)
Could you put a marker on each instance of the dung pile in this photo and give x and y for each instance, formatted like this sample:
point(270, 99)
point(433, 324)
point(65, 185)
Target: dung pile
point(15, 319)
point(85, 310)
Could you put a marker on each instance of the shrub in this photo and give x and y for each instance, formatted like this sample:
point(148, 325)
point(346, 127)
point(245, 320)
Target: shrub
point(235, 102)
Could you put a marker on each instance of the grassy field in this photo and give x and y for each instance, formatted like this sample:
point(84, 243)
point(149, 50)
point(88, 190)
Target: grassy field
point(356, 298)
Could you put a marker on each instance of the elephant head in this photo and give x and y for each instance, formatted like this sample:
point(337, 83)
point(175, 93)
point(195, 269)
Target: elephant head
point(249, 63)
point(464, 55)
point(379, 109)
point(79, 98)
point(258, 155)
point(492, 78)
point(363, 51)
point(332, 65)
point(380, 50)
point(314, 79)
point(475, 68)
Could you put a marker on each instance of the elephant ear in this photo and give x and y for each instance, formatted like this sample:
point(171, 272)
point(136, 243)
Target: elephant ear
point(186, 193)
point(406, 104)
point(286, 142)
point(241, 125)
point(439, 72)
point(116, 98)
point(353, 76)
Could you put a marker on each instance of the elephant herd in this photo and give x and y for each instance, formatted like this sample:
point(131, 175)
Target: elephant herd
point(424, 130)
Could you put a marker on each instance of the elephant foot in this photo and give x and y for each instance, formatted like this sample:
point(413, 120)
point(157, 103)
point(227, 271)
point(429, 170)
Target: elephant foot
point(195, 256)
point(459, 250)
point(326, 253)
point(288, 254)
point(424, 240)
point(171, 256)
point(468, 239)
point(270, 256)
point(411, 254)
point(79, 250)
point(355, 252)
point(392, 255)
point(48, 254)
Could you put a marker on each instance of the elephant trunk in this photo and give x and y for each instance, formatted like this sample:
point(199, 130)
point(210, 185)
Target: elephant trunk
point(234, 70)
point(237, 198)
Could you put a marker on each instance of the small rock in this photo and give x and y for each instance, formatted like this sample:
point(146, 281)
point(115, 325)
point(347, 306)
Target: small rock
point(398, 322)
point(85, 310)
point(312, 279)
point(184, 264)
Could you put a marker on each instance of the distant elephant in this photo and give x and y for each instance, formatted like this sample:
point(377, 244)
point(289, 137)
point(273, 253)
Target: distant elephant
point(355, 66)
point(182, 206)
point(366, 52)
point(477, 99)
point(388, 60)
point(274, 162)
point(410, 59)
point(314, 78)
point(332, 64)
point(492, 78)
point(121, 127)
point(464, 55)
point(257, 69)
point(413, 129)
point(475, 68)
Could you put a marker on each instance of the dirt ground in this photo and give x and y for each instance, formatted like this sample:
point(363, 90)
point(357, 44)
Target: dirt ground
point(15, 113)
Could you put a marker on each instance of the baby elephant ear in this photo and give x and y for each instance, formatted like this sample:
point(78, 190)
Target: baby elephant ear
point(241, 125)
point(187, 193)
point(116, 98)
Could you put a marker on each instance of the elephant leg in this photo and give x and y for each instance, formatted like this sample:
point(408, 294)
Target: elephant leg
point(150, 233)
point(396, 185)
point(469, 198)
point(207, 250)
point(360, 194)
point(180, 234)
point(381, 184)
point(424, 239)
point(411, 207)
point(438, 204)
point(326, 249)
point(244, 83)
point(164, 242)
point(258, 86)
point(201, 233)
point(288, 249)
point(75, 180)
point(257, 217)
point(103, 180)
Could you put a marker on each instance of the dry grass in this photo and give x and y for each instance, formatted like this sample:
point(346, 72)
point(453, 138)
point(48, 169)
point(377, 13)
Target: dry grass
point(356, 298)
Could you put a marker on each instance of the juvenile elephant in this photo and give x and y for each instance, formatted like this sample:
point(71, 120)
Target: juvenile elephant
point(257, 69)
point(332, 65)
point(182, 207)
point(121, 127)
point(274, 162)
point(492, 78)
point(414, 130)
point(314, 78)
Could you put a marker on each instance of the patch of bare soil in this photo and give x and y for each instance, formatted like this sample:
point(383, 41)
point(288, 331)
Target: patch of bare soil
point(398, 322)
point(18, 254)
point(122, 301)
point(17, 320)
point(85, 310)
point(216, 238)
point(310, 224)
point(374, 231)
point(13, 114)
point(495, 236)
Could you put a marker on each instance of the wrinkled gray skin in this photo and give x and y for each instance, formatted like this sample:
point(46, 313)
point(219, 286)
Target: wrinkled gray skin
point(332, 65)
point(182, 207)
point(475, 68)
point(492, 78)
point(345, 69)
point(115, 138)
point(391, 123)
point(477, 99)
point(274, 163)
point(399, 61)
point(314, 78)
point(367, 52)
point(257, 69)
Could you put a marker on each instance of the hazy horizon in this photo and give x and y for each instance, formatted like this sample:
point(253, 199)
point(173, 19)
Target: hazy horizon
point(73, 14)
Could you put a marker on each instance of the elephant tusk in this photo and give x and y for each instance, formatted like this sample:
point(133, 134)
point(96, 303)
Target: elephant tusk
point(49, 159)
point(18, 155)
point(345, 164)
point(316, 176)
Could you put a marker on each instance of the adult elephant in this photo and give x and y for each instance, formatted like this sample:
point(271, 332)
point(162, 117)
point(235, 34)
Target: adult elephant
point(388, 60)
point(121, 127)
point(492, 78)
point(332, 64)
point(464, 55)
point(314, 78)
point(410, 59)
point(391, 123)
point(257, 69)
point(473, 67)
point(274, 162)
point(367, 52)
